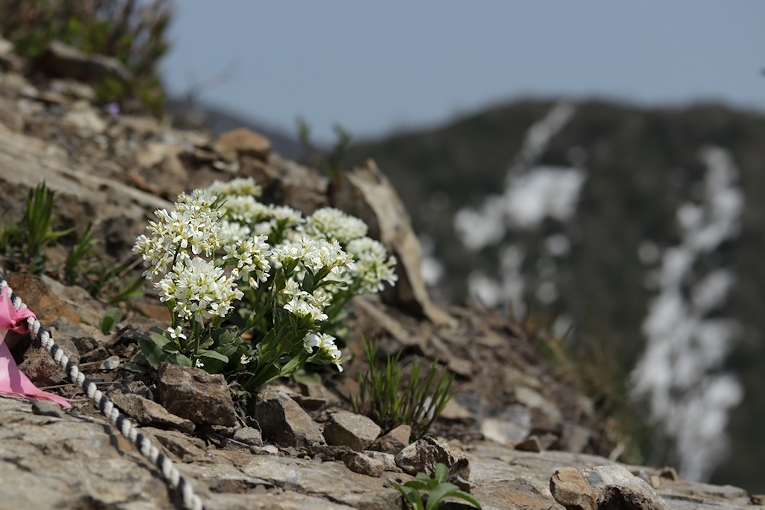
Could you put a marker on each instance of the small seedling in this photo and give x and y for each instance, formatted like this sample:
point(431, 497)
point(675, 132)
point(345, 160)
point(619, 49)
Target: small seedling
point(438, 489)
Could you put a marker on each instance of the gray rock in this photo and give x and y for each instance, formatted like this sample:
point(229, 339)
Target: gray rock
point(422, 457)
point(45, 408)
point(367, 194)
point(388, 460)
point(195, 395)
point(363, 464)
point(147, 412)
point(352, 430)
point(603, 488)
point(530, 444)
point(64, 60)
point(85, 337)
point(394, 441)
point(284, 422)
point(508, 425)
point(249, 436)
point(110, 363)
point(39, 365)
point(242, 142)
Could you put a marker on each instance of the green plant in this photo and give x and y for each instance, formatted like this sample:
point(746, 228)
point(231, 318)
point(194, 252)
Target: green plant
point(131, 31)
point(438, 489)
point(77, 259)
point(330, 162)
point(111, 318)
point(229, 267)
point(386, 400)
point(27, 241)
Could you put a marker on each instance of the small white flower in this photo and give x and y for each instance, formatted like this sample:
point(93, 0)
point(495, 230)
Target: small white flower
point(176, 333)
point(198, 363)
point(245, 359)
point(326, 345)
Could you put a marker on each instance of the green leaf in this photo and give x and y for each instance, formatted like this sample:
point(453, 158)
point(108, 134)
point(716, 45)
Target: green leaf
point(410, 495)
point(111, 318)
point(179, 359)
point(467, 497)
point(442, 473)
point(436, 495)
point(419, 485)
point(214, 361)
point(152, 351)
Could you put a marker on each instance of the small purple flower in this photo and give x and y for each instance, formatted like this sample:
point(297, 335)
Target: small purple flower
point(113, 109)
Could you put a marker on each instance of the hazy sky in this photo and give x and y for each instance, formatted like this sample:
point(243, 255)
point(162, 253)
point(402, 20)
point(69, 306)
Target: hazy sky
point(378, 66)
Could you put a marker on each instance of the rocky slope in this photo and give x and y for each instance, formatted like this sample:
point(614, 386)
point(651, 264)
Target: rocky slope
point(514, 422)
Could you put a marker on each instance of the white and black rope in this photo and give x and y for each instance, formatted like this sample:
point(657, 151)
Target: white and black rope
point(108, 409)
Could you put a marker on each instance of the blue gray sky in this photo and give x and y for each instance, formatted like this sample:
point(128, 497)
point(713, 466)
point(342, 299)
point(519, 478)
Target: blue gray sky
point(375, 67)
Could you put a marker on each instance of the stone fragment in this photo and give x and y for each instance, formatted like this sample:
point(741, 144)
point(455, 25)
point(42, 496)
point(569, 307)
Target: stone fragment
point(507, 425)
point(147, 412)
point(9, 61)
point(110, 363)
point(367, 194)
point(575, 437)
point(530, 444)
point(45, 408)
point(352, 430)
point(669, 472)
point(38, 297)
point(394, 441)
point(85, 337)
point(161, 168)
point(181, 446)
point(194, 394)
point(242, 142)
point(603, 488)
point(534, 400)
point(422, 457)
point(63, 60)
point(249, 436)
point(362, 464)
point(326, 452)
point(388, 459)
point(758, 499)
point(86, 121)
point(284, 422)
point(454, 411)
point(39, 365)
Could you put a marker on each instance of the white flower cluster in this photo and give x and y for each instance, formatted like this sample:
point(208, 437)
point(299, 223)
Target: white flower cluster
point(235, 187)
point(219, 236)
point(372, 264)
point(250, 257)
point(179, 249)
point(327, 348)
point(334, 224)
point(198, 290)
point(308, 254)
point(191, 229)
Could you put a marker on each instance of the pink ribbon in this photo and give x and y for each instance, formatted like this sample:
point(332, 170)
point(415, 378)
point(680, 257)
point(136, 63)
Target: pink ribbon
point(12, 380)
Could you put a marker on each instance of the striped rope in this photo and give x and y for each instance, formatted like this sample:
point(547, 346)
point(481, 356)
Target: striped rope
point(165, 466)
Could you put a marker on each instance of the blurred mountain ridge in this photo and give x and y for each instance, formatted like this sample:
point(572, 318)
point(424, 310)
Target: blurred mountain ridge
point(643, 174)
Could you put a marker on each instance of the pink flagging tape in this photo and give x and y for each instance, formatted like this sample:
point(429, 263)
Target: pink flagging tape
point(12, 380)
